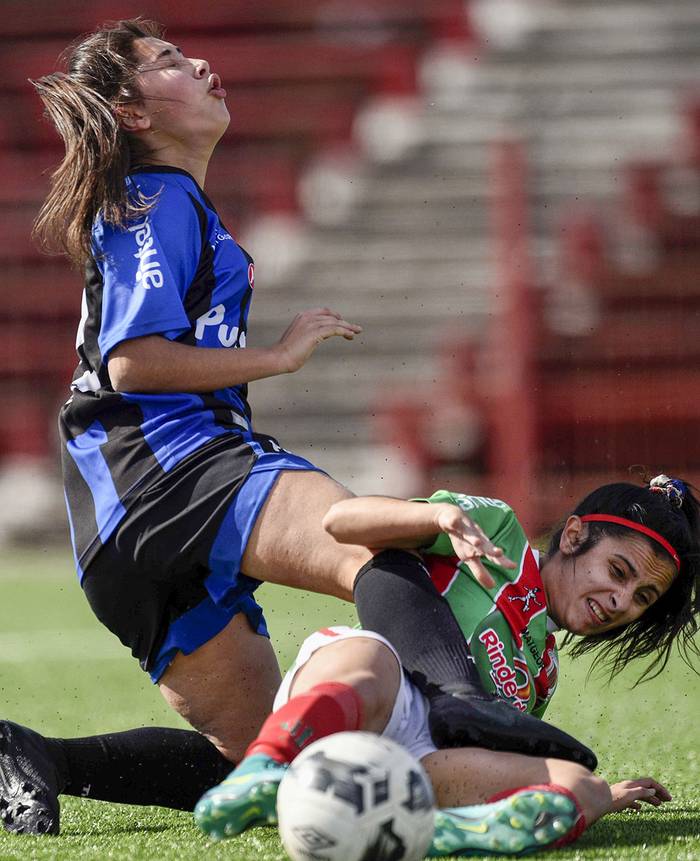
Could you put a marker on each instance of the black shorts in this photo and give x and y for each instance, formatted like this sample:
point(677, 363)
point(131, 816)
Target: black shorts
point(169, 577)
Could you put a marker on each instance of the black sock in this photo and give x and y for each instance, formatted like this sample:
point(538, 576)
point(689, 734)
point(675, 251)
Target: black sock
point(150, 765)
point(395, 597)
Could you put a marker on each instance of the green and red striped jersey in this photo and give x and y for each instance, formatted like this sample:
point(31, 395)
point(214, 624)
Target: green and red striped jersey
point(509, 633)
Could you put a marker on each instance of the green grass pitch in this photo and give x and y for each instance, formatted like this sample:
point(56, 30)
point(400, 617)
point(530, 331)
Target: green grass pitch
point(61, 673)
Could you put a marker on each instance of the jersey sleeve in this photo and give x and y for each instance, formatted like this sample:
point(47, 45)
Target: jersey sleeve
point(146, 270)
point(495, 517)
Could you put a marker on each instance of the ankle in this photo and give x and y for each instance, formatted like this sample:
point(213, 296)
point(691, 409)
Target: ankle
point(57, 752)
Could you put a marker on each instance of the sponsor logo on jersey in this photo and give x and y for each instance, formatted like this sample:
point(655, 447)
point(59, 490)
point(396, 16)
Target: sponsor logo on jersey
point(467, 503)
point(522, 600)
point(220, 236)
point(511, 682)
point(522, 680)
point(546, 679)
point(532, 647)
point(149, 274)
point(228, 336)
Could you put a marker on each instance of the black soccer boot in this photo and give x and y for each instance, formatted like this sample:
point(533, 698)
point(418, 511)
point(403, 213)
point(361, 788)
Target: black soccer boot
point(464, 715)
point(30, 781)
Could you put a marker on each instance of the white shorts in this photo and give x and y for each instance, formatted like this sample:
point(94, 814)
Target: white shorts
point(408, 724)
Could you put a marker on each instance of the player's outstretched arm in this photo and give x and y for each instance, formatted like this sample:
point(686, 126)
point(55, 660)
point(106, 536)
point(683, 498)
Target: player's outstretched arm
point(155, 364)
point(381, 521)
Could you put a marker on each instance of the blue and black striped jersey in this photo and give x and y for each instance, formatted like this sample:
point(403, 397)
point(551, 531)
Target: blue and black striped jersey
point(176, 272)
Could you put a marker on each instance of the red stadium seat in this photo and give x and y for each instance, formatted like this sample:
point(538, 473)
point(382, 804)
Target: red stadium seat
point(46, 290)
point(72, 17)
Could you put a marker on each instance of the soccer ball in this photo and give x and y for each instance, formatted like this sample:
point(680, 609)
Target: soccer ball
point(355, 796)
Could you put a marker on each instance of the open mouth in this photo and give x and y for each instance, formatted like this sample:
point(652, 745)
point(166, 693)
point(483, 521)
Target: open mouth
point(215, 88)
point(597, 611)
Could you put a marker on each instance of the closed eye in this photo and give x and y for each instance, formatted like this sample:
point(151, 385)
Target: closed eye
point(170, 52)
point(167, 58)
point(618, 573)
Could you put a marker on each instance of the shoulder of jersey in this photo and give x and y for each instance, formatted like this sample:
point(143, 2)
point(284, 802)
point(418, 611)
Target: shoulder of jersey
point(169, 185)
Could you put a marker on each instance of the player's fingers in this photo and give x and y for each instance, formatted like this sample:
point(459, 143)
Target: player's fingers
point(499, 558)
point(326, 315)
point(646, 794)
point(481, 575)
point(325, 332)
point(484, 547)
point(326, 320)
point(661, 792)
point(658, 788)
point(318, 312)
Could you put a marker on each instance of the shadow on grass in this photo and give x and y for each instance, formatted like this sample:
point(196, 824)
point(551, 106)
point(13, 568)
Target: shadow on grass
point(642, 829)
point(105, 830)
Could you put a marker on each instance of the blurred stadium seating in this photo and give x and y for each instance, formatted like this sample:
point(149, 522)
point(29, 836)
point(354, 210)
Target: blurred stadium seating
point(505, 193)
point(588, 363)
point(566, 400)
point(297, 73)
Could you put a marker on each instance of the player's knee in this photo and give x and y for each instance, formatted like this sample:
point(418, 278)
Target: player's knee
point(378, 687)
point(354, 557)
point(365, 664)
point(230, 743)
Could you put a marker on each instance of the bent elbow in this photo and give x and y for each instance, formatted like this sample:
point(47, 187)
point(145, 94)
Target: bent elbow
point(330, 520)
point(335, 521)
point(121, 374)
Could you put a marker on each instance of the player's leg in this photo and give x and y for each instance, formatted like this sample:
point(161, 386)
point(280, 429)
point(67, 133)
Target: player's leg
point(288, 545)
point(232, 678)
point(347, 684)
point(433, 651)
point(148, 766)
point(297, 552)
point(226, 687)
point(509, 803)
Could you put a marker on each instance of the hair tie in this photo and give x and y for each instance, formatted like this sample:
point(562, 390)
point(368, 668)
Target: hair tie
point(674, 488)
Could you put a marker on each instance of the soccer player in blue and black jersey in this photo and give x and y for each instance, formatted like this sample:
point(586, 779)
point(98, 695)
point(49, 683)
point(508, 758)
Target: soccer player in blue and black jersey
point(177, 507)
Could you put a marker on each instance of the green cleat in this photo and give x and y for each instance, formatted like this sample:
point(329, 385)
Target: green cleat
point(525, 821)
point(247, 797)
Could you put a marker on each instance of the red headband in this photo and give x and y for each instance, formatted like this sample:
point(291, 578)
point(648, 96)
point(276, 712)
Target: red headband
point(630, 524)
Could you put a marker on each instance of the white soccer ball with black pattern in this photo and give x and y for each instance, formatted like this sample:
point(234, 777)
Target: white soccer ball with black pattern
point(356, 796)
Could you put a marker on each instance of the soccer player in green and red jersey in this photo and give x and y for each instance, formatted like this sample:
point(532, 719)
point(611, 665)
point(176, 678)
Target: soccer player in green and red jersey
point(512, 641)
point(346, 679)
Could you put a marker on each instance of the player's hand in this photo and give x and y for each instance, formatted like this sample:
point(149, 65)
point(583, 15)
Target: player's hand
point(628, 794)
point(470, 543)
point(306, 331)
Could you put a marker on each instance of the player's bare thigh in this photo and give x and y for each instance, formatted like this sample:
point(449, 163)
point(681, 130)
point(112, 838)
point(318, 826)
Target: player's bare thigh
point(225, 689)
point(363, 663)
point(463, 776)
point(289, 546)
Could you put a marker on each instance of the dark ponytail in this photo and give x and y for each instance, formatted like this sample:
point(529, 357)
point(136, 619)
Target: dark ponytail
point(101, 76)
point(668, 507)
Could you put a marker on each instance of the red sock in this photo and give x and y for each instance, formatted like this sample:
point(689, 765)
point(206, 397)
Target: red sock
point(579, 826)
point(323, 710)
